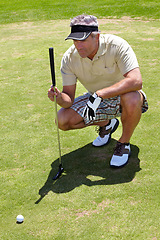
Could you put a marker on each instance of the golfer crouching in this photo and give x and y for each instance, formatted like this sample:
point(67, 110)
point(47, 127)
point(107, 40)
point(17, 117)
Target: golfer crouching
point(108, 68)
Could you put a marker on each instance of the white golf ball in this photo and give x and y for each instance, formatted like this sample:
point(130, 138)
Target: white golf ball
point(20, 218)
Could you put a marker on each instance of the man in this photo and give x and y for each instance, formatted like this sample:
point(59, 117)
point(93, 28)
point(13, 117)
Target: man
point(107, 67)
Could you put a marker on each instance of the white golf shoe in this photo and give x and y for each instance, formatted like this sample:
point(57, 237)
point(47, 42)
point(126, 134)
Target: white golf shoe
point(105, 133)
point(121, 155)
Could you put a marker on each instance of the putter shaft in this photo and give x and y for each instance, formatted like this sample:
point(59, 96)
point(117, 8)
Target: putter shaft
point(51, 55)
point(59, 145)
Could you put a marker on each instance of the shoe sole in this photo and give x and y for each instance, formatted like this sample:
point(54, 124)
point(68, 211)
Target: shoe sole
point(113, 130)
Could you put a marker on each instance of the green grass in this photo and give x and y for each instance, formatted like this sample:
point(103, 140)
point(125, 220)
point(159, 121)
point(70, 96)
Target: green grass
point(90, 201)
point(18, 10)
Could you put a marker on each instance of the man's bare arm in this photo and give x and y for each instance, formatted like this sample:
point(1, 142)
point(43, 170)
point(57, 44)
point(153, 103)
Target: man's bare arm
point(132, 82)
point(65, 98)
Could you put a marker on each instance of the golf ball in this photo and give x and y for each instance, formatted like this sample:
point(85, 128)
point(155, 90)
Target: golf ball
point(20, 218)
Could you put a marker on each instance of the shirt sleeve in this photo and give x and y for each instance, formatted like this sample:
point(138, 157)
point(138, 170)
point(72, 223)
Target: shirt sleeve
point(126, 58)
point(68, 77)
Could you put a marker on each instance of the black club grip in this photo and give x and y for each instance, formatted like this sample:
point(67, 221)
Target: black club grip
point(51, 56)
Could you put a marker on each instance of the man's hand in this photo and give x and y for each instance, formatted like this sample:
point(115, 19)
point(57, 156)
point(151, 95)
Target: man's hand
point(91, 107)
point(53, 91)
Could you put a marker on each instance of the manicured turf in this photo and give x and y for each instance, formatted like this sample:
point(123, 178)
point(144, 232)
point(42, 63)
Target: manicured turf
point(18, 10)
point(90, 201)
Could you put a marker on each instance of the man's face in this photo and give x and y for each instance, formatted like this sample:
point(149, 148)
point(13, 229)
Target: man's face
point(88, 47)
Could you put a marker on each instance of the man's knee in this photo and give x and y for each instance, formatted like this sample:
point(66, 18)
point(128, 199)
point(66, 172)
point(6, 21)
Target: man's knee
point(63, 119)
point(68, 118)
point(131, 101)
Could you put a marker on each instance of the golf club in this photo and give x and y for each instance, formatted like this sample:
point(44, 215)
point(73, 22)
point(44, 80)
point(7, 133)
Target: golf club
point(51, 56)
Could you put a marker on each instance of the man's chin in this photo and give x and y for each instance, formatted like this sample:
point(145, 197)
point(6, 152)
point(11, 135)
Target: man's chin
point(82, 54)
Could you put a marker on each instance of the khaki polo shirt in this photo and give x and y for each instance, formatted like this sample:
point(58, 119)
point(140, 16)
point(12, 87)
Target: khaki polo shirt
point(114, 58)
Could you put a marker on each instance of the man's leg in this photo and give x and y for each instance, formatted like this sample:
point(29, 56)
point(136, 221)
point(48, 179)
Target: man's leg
point(131, 104)
point(69, 119)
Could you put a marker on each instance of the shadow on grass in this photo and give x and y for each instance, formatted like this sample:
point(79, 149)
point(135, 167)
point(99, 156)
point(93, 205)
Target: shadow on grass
point(90, 166)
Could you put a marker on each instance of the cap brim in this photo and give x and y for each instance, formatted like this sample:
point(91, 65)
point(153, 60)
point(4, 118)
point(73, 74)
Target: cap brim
point(78, 36)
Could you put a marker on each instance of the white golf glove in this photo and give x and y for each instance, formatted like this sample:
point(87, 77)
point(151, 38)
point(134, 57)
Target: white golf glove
point(91, 107)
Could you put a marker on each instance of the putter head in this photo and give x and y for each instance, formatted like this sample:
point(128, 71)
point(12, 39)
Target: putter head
point(60, 171)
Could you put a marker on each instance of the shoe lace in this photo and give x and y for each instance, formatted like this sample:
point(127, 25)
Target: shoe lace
point(101, 131)
point(118, 148)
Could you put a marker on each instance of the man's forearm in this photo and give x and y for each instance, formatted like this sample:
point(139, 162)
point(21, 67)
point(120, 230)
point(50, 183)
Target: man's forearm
point(64, 100)
point(117, 89)
point(130, 83)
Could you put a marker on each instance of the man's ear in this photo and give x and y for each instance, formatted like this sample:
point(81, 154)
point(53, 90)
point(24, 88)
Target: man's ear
point(97, 36)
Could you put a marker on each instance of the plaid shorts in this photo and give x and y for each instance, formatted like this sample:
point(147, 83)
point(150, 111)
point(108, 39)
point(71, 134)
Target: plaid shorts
point(108, 109)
